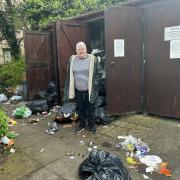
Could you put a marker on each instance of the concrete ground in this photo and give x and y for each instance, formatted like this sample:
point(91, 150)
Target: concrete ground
point(40, 156)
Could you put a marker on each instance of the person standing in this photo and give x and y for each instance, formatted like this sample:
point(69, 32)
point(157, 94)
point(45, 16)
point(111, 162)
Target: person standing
point(82, 84)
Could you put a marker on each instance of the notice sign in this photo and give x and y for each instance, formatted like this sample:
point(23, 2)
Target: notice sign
point(174, 49)
point(118, 47)
point(171, 33)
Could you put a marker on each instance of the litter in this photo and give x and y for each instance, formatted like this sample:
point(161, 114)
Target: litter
point(22, 112)
point(150, 160)
point(103, 165)
point(52, 128)
point(12, 150)
point(15, 98)
point(3, 98)
point(163, 169)
point(145, 177)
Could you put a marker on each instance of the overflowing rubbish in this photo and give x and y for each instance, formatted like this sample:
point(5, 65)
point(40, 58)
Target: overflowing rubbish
point(44, 100)
point(67, 112)
point(71, 155)
point(38, 105)
point(52, 128)
point(16, 98)
point(103, 165)
point(22, 112)
point(3, 98)
point(137, 154)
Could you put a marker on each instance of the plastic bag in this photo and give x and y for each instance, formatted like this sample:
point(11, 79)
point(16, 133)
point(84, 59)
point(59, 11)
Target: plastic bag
point(22, 112)
point(101, 116)
point(38, 106)
point(102, 165)
point(3, 98)
point(67, 112)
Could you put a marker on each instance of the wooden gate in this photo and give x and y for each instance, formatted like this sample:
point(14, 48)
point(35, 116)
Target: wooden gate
point(162, 80)
point(38, 60)
point(68, 33)
point(124, 54)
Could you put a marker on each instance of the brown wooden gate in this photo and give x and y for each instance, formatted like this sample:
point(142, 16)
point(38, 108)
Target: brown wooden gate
point(38, 59)
point(162, 81)
point(68, 33)
point(124, 73)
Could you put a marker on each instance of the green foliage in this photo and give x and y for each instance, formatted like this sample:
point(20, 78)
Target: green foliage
point(8, 27)
point(40, 13)
point(11, 74)
point(3, 123)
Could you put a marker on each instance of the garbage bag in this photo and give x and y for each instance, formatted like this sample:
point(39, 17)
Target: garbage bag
point(38, 106)
point(3, 98)
point(49, 94)
point(100, 101)
point(22, 112)
point(101, 116)
point(101, 165)
point(67, 112)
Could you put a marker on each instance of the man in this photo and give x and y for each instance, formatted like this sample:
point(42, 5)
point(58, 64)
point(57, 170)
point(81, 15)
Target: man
point(82, 84)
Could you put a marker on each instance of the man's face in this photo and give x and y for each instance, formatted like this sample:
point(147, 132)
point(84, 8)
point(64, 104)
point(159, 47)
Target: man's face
point(81, 51)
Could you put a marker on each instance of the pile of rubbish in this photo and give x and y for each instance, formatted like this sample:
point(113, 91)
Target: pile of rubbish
point(100, 106)
point(104, 166)
point(137, 154)
point(44, 100)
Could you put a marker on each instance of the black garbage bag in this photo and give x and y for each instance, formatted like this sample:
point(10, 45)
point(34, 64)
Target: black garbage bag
point(49, 94)
point(101, 116)
point(100, 101)
point(38, 105)
point(101, 165)
point(67, 112)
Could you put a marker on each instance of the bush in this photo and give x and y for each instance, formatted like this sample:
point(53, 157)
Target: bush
point(3, 123)
point(11, 74)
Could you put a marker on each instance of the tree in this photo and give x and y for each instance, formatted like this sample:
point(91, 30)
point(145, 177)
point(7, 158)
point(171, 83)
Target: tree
point(8, 29)
point(40, 13)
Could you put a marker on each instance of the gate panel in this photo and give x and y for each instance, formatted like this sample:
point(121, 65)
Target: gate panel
point(68, 34)
point(125, 73)
point(162, 89)
point(38, 59)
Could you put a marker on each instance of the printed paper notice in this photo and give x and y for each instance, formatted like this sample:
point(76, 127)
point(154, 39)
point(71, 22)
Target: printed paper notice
point(174, 49)
point(171, 33)
point(118, 47)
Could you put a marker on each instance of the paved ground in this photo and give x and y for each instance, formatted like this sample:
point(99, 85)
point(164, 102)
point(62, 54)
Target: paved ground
point(40, 156)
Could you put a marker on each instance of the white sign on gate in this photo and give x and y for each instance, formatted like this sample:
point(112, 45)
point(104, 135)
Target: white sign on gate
point(174, 49)
point(171, 33)
point(118, 47)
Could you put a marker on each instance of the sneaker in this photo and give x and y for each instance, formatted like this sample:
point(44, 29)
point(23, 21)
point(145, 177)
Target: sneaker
point(79, 129)
point(93, 130)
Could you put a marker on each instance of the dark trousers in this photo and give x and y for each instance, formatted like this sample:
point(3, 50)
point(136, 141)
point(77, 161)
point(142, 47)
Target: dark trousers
point(86, 109)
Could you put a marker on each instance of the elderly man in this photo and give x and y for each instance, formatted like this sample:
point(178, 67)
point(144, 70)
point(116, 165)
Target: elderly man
point(82, 84)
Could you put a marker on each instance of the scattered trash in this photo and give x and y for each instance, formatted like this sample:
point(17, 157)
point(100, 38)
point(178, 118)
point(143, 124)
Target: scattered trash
point(3, 98)
point(22, 112)
point(163, 169)
point(52, 128)
point(12, 150)
point(67, 112)
point(145, 177)
point(42, 150)
point(131, 161)
point(150, 160)
point(103, 165)
point(34, 120)
point(39, 106)
point(16, 98)
point(71, 155)
point(11, 122)
point(90, 149)
point(67, 125)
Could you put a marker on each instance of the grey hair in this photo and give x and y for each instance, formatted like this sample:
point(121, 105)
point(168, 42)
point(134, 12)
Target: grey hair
point(80, 44)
